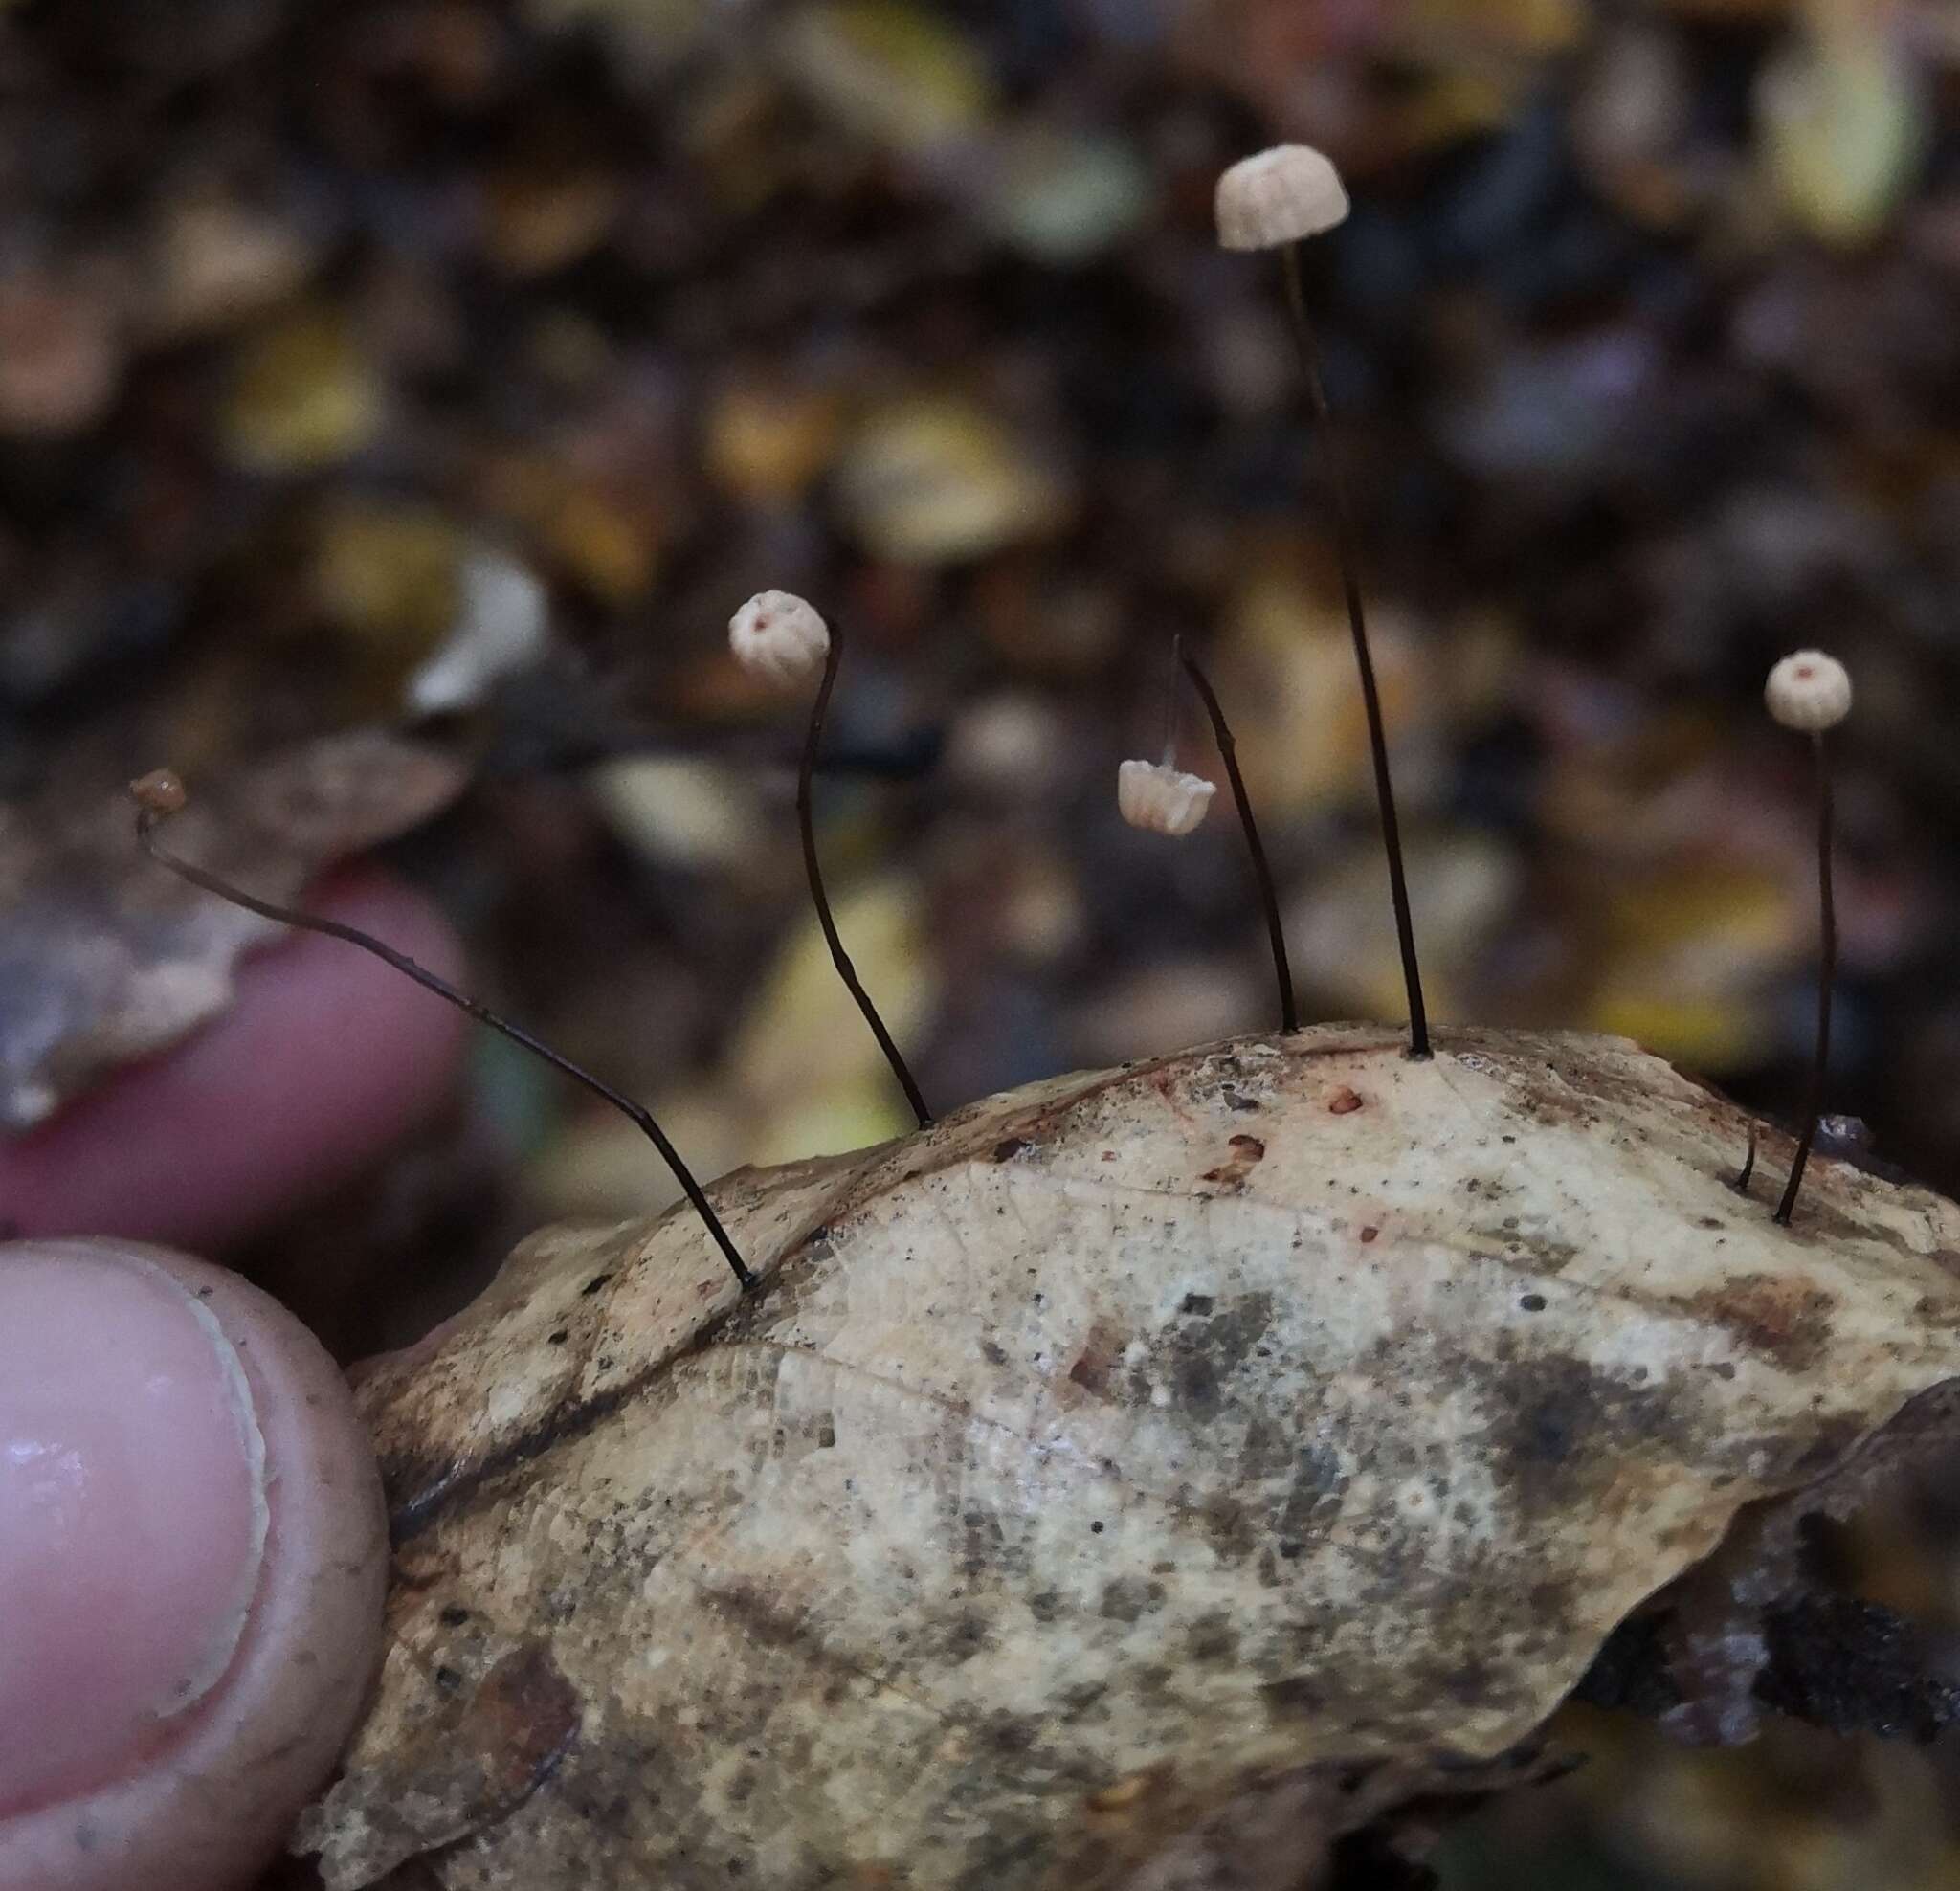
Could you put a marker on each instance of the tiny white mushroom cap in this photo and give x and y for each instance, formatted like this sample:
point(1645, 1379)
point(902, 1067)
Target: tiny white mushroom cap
point(778, 636)
point(1809, 691)
point(1278, 196)
point(1161, 799)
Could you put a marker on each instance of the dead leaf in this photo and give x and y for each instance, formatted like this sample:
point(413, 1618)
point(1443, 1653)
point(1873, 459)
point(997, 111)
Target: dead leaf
point(106, 957)
point(1075, 1478)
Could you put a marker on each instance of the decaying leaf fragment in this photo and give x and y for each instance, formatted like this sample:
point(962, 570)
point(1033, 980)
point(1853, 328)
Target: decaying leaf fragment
point(1126, 1449)
point(105, 958)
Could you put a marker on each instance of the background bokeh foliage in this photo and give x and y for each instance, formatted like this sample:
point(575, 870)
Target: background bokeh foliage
point(363, 362)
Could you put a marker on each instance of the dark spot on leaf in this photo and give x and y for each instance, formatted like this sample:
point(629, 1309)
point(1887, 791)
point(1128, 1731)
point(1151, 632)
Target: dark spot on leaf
point(1247, 1153)
point(1010, 1735)
point(1123, 1600)
point(1212, 1639)
point(1095, 1367)
point(1292, 1699)
point(1788, 1318)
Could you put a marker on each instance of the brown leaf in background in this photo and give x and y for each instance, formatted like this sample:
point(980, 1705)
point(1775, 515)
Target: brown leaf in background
point(106, 957)
point(1122, 1451)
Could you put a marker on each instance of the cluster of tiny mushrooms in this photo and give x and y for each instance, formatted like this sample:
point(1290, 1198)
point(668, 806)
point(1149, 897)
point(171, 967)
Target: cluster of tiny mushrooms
point(1272, 201)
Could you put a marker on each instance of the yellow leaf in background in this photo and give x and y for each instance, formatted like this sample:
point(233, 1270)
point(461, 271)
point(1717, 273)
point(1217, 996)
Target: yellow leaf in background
point(305, 396)
point(1714, 920)
point(541, 220)
point(768, 443)
point(1713, 1034)
point(612, 548)
point(1843, 126)
point(1531, 27)
point(1690, 961)
point(849, 1116)
point(387, 575)
point(894, 75)
point(804, 1042)
point(1448, 107)
point(936, 478)
point(681, 811)
point(1289, 685)
point(598, 1166)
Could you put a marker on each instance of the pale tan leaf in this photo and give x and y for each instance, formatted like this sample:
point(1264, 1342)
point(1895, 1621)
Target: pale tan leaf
point(1116, 1463)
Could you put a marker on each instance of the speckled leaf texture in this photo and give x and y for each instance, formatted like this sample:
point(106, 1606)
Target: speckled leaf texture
point(1121, 1449)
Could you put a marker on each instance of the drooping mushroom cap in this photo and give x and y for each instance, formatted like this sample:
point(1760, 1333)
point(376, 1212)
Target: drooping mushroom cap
point(1160, 799)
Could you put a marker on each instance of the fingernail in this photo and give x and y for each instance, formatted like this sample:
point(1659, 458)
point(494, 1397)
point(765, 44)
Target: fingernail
point(132, 1515)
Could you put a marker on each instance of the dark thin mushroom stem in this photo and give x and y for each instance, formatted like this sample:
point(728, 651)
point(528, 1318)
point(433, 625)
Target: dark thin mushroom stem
point(1261, 870)
point(1827, 974)
point(146, 820)
point(1748, 1163)
point(1357, 623)
point(841, 958)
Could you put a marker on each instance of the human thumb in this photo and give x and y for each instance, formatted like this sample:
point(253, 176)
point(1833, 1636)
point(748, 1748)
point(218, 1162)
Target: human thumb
point(193, 1561)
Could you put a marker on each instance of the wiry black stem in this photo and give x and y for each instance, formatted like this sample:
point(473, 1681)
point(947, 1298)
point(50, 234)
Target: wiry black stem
point(1748, 1163)
point(1357, 623)
point(841, 958)
point(199, 877)
point(1827, 974)
point(1261, 870)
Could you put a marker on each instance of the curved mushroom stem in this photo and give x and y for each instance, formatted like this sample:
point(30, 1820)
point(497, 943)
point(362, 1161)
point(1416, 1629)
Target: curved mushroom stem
point(154, 807)
point(1741, 1184)
point(1261, 870)
point(842, 959)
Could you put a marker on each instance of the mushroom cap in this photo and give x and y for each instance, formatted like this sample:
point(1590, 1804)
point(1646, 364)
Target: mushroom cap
point(779, 637)
point(1809, 691)
point(1278, 196)
point(1160, 799)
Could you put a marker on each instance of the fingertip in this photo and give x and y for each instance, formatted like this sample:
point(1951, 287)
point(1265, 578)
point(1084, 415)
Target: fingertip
point(326, 1058)
point(174, 1748)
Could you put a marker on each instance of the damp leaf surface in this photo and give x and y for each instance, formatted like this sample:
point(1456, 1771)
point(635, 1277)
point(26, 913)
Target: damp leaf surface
point(1277, 1424)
